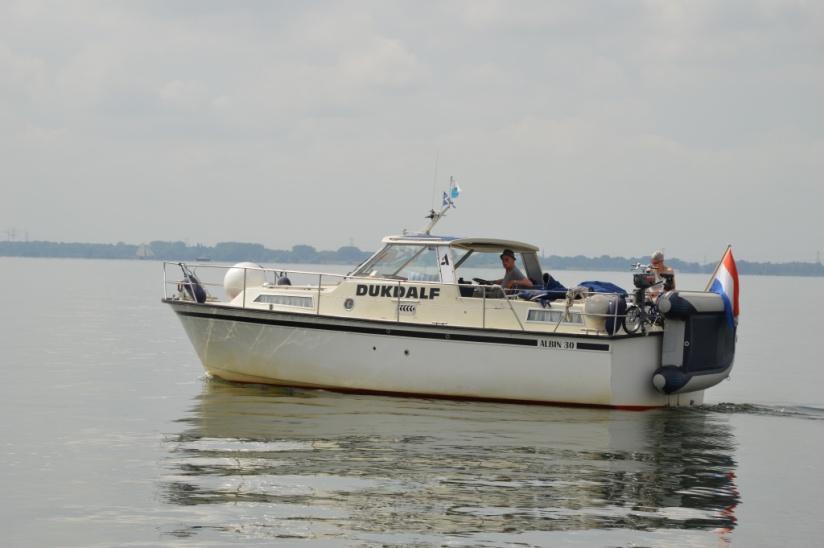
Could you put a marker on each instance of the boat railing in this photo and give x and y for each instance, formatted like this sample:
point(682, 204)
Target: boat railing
point(272, 277)
point(315, 282)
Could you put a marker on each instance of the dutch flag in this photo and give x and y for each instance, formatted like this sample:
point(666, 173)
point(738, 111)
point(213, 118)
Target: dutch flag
point(725, 283)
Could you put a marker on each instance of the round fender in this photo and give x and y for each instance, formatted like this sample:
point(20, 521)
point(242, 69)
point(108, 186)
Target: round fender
point(669, 379)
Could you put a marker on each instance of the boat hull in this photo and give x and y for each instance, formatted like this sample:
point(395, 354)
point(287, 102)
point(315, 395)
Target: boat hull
point(345, 354)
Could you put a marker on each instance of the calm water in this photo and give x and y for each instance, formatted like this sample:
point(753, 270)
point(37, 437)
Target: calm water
point(113, 436)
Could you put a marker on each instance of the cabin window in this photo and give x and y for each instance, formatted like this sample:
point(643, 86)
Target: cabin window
point(286, 300)
point(553, 316)
point(423, 266)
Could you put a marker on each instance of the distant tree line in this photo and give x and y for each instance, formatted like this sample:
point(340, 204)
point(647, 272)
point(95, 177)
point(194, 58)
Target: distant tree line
point(349, 255)
point(179, 251)
point(617, 264)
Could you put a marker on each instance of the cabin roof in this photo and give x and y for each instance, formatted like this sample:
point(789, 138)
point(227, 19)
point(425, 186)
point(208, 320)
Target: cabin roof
point(419, 239)
point(475, 244)
point(492, 244)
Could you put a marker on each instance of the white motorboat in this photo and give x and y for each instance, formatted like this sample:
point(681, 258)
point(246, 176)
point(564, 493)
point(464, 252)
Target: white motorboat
point(405, 322)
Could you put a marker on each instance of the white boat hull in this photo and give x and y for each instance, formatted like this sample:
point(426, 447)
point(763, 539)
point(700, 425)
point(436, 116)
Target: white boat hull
point(427, 360)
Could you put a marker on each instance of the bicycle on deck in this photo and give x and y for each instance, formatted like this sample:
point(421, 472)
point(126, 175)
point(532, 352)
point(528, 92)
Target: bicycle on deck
point(644, 311)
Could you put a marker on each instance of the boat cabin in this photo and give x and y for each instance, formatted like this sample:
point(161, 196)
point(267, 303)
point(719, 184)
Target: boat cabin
point(429, 258)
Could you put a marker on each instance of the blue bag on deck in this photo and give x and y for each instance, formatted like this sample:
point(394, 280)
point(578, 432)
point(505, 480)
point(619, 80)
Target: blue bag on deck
point(552, 290)
point(603, 287)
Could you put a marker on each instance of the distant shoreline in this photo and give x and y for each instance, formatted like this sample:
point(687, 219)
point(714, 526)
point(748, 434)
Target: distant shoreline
point(305, 254)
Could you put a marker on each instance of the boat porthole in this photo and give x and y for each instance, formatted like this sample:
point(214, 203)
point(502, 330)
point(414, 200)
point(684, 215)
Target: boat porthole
point(406, 352)
point(373, 348)
point(349, 304)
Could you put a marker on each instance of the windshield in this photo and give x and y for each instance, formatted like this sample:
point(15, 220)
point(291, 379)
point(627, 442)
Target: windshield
point(407, 262)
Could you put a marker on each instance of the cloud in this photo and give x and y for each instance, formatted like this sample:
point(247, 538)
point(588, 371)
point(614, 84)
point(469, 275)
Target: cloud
point(568, 110)
point(42, 135)
point(383, 63)
point(23, 75)
point(186, 95)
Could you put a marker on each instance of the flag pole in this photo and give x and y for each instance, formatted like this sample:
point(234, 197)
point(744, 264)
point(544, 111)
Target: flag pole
point(434, 217)
point(714, 272)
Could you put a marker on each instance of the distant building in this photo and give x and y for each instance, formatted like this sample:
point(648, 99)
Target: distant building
point(144, 252)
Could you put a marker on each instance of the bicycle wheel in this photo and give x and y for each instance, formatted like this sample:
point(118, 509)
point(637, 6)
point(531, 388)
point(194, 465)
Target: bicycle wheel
point(656, 318)
point(633, 320)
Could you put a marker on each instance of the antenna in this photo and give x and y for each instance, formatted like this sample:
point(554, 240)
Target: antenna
point(435, 177)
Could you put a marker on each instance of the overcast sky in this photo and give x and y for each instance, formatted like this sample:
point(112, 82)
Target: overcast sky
point(583, 127)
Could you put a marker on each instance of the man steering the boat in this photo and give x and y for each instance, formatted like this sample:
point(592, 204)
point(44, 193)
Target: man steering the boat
point(513, 277)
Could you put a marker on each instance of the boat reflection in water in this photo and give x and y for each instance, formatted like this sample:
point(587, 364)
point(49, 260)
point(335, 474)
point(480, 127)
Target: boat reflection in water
point(268, 463)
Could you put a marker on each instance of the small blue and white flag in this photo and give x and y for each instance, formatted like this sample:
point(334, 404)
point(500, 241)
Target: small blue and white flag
point(447, 201)
point(454, 189)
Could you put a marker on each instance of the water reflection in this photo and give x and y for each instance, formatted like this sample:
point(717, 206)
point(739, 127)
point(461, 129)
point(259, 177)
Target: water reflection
point(310, 464)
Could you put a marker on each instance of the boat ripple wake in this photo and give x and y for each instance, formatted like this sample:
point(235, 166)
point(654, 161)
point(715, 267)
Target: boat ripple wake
point(795, 411)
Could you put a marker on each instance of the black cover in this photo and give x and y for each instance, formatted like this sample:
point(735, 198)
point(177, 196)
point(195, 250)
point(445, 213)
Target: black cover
point(192, 286)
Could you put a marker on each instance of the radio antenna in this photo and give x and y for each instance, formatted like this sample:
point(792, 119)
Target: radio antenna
point(435, 177)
